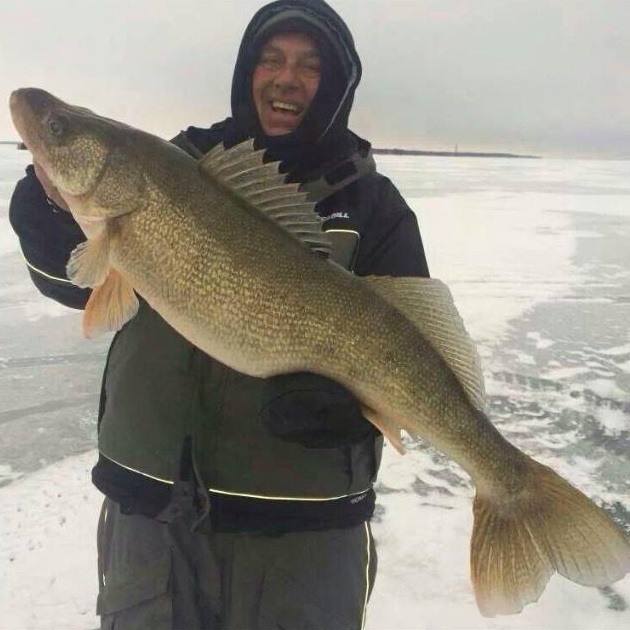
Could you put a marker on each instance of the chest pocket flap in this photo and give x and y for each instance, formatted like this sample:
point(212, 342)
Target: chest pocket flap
point(345, 246)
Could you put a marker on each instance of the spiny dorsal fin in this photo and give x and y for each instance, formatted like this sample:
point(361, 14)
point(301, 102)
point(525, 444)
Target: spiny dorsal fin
point(428, 303)
point(241, 169)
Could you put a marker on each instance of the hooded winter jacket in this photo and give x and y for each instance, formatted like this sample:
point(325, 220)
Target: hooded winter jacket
point(280, 454)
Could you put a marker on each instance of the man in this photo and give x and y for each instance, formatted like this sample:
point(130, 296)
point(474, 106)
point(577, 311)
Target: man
point(231, 501)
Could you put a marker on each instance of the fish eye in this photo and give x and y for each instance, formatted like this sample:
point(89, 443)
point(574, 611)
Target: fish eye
point(55, 126)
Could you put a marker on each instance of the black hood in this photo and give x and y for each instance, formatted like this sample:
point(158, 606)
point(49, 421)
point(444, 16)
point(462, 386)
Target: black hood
point(323, 132)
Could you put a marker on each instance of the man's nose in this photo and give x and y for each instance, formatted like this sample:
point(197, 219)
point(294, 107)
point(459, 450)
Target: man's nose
point(286, 76)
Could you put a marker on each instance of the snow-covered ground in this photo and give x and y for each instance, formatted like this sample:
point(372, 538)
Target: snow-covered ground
point(536, 253)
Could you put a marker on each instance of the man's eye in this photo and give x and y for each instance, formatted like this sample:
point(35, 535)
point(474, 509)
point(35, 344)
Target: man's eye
point(269, 62)
point(311, 66)
point(311, 69)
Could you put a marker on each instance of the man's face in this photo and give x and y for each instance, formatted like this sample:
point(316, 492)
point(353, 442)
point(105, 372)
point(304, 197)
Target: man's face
point(285, 81)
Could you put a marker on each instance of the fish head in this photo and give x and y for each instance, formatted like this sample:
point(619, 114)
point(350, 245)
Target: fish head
point(86, 156)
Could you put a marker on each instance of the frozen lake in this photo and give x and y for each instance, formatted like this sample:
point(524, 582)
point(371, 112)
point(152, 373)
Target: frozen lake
point(536, 254)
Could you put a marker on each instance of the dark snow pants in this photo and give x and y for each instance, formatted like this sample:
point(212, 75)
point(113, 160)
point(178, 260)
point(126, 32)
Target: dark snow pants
point(161, 576)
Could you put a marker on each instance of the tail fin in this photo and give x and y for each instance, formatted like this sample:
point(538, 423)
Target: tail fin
point(549, 526)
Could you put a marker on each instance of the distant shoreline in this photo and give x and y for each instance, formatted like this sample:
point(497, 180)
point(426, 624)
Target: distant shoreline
point(453, 153)
point(20, 145)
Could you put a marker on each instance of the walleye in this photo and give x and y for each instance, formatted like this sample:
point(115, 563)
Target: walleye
point(235, 260)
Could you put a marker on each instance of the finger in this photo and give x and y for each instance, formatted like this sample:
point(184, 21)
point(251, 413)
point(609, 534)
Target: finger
point(49, 188)
point(44, 180)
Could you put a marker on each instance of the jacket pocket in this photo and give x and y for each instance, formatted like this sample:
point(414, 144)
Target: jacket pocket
point(136, 589)
point(141, 601)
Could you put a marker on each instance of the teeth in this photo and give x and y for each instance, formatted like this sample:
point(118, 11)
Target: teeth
point(287, 106)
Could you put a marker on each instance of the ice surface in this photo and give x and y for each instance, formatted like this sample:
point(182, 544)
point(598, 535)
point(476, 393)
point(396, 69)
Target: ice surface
point(536, 254)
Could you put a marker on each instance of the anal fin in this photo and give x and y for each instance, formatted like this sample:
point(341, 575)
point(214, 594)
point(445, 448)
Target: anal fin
point(387, 428)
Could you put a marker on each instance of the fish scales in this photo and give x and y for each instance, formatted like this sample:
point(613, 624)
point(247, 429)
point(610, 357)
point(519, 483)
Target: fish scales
point(268, 319)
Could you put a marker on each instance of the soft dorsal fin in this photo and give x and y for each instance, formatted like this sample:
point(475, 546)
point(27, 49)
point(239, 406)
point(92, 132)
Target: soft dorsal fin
point(428, 303)
point(241, 169)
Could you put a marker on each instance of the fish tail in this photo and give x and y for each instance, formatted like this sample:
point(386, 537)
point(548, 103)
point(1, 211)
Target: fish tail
point(518, 543)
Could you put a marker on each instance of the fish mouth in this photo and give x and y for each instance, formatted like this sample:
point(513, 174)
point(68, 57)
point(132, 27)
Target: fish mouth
point(17, 105)
point(29, 109)
point(30, 104)
point(26, 107)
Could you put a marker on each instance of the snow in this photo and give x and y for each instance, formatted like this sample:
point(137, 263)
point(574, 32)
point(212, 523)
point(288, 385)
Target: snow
point(49, 573)
point(535, 252)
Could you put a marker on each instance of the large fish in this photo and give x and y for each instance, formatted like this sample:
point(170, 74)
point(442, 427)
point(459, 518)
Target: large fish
point(234, 260)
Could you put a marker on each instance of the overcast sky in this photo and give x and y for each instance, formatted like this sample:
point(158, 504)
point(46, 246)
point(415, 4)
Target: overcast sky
point(550, 77)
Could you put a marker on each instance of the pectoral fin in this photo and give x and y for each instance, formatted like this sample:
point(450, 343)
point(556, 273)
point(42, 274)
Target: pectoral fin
point(111, 305)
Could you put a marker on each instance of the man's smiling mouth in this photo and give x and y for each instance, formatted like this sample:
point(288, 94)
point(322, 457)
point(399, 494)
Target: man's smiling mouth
point(283, 106)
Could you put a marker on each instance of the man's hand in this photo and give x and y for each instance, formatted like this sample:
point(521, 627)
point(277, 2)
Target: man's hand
point(91, 227)
point(49, 188)
point(313, 411)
